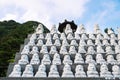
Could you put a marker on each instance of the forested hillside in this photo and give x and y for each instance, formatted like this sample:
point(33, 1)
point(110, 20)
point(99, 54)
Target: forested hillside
point(12, 35)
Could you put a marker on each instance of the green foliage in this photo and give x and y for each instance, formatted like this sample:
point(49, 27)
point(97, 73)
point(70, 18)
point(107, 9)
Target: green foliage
point(12, 35)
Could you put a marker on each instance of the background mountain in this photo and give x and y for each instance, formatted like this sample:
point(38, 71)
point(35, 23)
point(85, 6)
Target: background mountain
point(12, 35)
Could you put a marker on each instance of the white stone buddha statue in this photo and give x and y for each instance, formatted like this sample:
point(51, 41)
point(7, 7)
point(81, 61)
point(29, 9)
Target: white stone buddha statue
point(57, 42)
point(106, 36)
point(82, 29)
point(110, 31)
point(105, 42)
point(46, 60)
point(25, 50)
point(90, 50)
point(98, 42)
point(40, 42)
point(55, 36)
point(16, 71)
point(49, 42)
point(118, 58)
point(41, 36)
point(62, 36)
point(70, 36)
point(84, 36)
point(91, 72)
point(65, 42)
point(24, 59)
point(68, 29)
point(81, 49)
point(96, 29)
point(56, 59)
point(72, 50)
point(116, 71)
point(99, 36)
point(82, 42)
point(78, 58)
point(77, 36)
point(100, 49)
point(53, 71)
point(28, 72)
point(100, 59)
point(39, 29)
point(53, 30)
point(90, 42)
point(73, 43)
point(91, 36)
point(79, 71)
point(89, 59)
point(109, 50)
point(104, 72)
point(67, 60)
point(34, 50)
point(111, 60)
point(53, 50)
point(31, 42)
point(44, 49)
point(67, 71)
point(117, 49)
point(35, 59)
point(41, 71)
point(63, 50)
point(113, 41)
point(48, 36)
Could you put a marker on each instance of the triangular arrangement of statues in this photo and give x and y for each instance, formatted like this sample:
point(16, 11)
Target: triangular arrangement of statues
point(69, 54)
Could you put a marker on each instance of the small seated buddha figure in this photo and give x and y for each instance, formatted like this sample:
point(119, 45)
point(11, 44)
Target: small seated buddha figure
point(113, 36)
point(100, 59)
point(89, 59)
point(62, 36)
point(117, 49)
point(82, 42)
point(105, 42)
point(24, 59)
point(91, 36)
point(81, 49)
point(33, 36)
point(39, 29)
point(53, 71)
point(35, 59)
point(16, 71)
point(72, 50)
point(99, 36)
point(90, 50)
point(77, 36)
point(53, 30)
point(78, 58)
point(89, 42)
point(70, 36)
point(63, 50)
point(82, 29)
point(44, 49)
point(57, 42)
point(41, 71)
point(53, 50)
point(25, 50)
point(118, 58)
point(68, 29)
point(55, 36)
point(98, 42)
point(92, 72)
point(74, 43)
point(109, 50)
point(56, 59)
point(48, 36)
point(28, 72)
point(31, 42)
point(104, 72)
point(96, 29)
point(116, 71)
point(46, 60)
point(79, 71)
point(67, 60)
point(34, 50)
point(65, 42)
point(67, 71)
point(48, 42)
point(113, 41)
point(111, 60)
point(40, 42)
point(100, 49)
point(41, 36)
point(106, 36)
point(84, 36)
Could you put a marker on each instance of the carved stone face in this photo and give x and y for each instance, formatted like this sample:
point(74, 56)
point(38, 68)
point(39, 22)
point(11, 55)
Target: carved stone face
point(67, 57)
point(110, 57)
point(67, 67)
point(35, 56)
point(42, 67)
point(53, 68)
point(35, 48)
point(53, 48)
point(56, 56)
point(78, 55)
point(46, 56)
point(89, 57)
point(79, 68)
point(40, 41)
point(115, 68)
point(99, 56)
point(44, 47)
point(17, 68)
point(90, 48)
point(24, 57)
point(29, 67)
point(91, 67)
point(104, 68)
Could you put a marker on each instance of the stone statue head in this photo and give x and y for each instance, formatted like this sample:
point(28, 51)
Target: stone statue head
point(67, 67)
point(103, 68)
point(115, 68)
point(79, 68)
point(24, 57)
point(53, 68)
point(17, 68)
point(91, 67)
point(29, 68)
point(42, 67)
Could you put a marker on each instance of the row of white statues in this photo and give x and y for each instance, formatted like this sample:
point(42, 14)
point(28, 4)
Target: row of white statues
point(47, 60)
point(72, 49)
point(67, 71)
